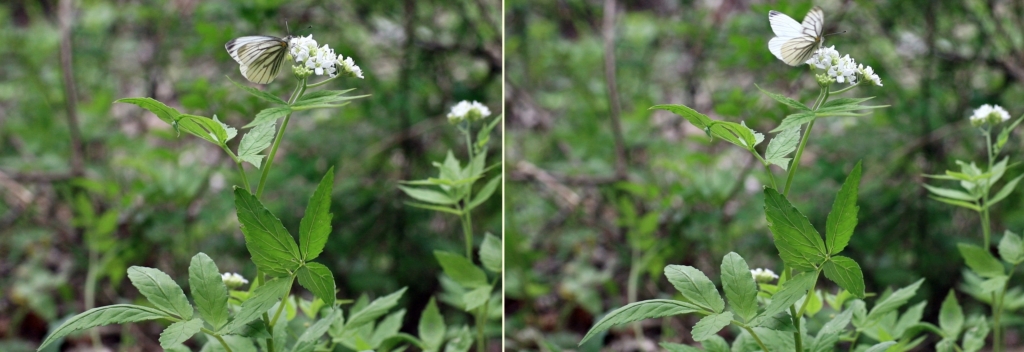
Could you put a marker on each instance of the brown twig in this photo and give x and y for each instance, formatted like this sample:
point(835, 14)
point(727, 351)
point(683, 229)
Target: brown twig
point(608, 29)
point(65, 16)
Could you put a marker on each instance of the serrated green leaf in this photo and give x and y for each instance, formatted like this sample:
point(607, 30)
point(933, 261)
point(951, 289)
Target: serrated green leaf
point(740, 288)
point(700, 121)
point(261, 300)
point(485, 192)
point(893, 301)
point(203, 127)
point(1011, 248)
point(319, 280)
point(711, 325)
point(374, 310)
point(161, 291)
point(843, 217)
point(790, 292)
point(208, 290)
point(950, 193)
point(490, 253)
point(846, 273)
point(781, 146)
point(799, 244)
point(431, 326)
point(255, 329)
point(180, 332)
point(1005, 191)
point(676, 347)
point(784, 99)
point(231, 132)
point(255, 142)
point(308, 340)
point(316, 223)
point(695, 287)
point(259, 93)
point(428, 195)
point(269, 115)
point(161, 110)
point(951, 316)
point(715, 343)
point(795, 121)
point(387, 328)
point(106, 315)
point(272, 248)
point(655, 308)
point(880, 347)
point(981, 261)
point(461, 270)
point(829, 333)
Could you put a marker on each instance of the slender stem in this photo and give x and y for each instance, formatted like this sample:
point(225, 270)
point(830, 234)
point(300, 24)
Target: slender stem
point(822, 97)
point(277, 140)
point(797, 337)
point(480, 328)
point(90, 294)
point(218, 337)
point(856, 335)
point(848, 88)
point(317, 84)
point(318, 106)
point(757, 339)
point(631, 287)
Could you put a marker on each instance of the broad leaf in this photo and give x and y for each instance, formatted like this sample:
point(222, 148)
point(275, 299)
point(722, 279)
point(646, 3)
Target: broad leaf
point(461, 270)
point(272, 248)
point(431, 326)
point(700, 121)
point(951, 316)
point(740, 288)
point(1011, 248)
point(655, 308)
point(695, 287)
point(490, 253)
point(711, 325)
point(208, 290)
point(319, 280)
point(893, 301)
point(974, 337)
point(261, 300)
point(203, 127)
point(981, 261)
point(374, 310)
point(160, 290)
point(477, 297)
point(269, 115)
point(113, 314)
point(846, 273)
point(255, 142)
point(180, 332)
point(843, 217)
point(161, 110)
point(799, 244)
point(316, 223)
point(781, 146)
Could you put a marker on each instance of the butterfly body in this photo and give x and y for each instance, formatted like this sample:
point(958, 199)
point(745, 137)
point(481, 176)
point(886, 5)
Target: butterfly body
point(796, 42)
point(259, 57)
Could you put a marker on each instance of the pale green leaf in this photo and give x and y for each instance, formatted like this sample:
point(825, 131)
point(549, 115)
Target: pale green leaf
point(655, 308)
point(739, 286)
point(316, 223)
point(695, 287)
point(893, 301)
point(255, 142)
point(781, 146)
point(208, 290)
point(461, 270)
point(1005, 191)
point(319, 280)
point(270, 115)
point(951, 316)
point(490, 253)
point(161, 110)
point(180, 332)
point(981, 261)
point(950, 193)
point(710, 325)
point(113, 314)
point(790, 292)
point(843, 217)
point(161, 291)
point(428, 195)
point(259, 302)
point(485, 192)
point(431, 326)
point(307, 341)
point(1011, 248)
point(476, 298)
point(374, 310)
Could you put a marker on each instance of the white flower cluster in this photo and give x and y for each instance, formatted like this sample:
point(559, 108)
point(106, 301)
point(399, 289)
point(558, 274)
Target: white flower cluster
point(993, 114)
point(763, 275)
point(842, 69)
point(466, 110)
point(233, 280)
point(320, 60)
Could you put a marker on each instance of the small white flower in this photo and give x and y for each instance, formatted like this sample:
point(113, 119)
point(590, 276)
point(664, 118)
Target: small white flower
point(302, 48)
point(468, 110)
point(322, 63)
point(869, 74)
point(993, 114)
point(349, 67)
point(233, 280)
point(842, 69)
point(763, 275)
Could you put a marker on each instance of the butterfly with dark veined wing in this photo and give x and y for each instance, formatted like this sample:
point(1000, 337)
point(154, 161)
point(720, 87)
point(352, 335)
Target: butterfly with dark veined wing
point(259, 56)
point(795, 43)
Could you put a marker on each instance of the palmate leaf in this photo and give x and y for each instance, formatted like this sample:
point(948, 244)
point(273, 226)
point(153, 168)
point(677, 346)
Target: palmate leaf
point(781, 146)
point(710, 325)
point(799, 244)
point(272, 248)
point(255, 142)
point(846, 273)
point(208, 290)
point(319, 280)
point(180, 332)
point(655, 308)
point(316, 223)
point(113, 314)
point(160, 290)
point(695, 287)
point(843, 217)
point(261, 300)
point(740, 288)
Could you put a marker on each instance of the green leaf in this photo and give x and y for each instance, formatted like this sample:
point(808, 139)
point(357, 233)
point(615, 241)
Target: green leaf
point(715, 343)
point(742, 135)
point(374, 310)
point(1005, 191)
point(1011, 248)
point(843, 217)
point(950, 193)
point(781, 146)
point(477, 297)
point(844, 102)
point(461, 270)
point(893, 301)
point(795, 121)
point(710, 325)
point(799, 244)
point(203, 127)
point(318, 279)
point(259, 93)
point(880, 347)
point(387, 328)
point(272, 248)
point(106, 315)
point(485, 192)
point(261, 300)
point(958, 203)
point(676, 347)
point(790, 292)
point(993, 284)
point(180, 332)
point(461, 341)
point(161, 291)
point(316, 223)
point(162, 111)
point(695, 287)
point(431, 327)
point(655, 308)
point(700, 121)
point(951, 316)
point(974, 338)
point(307, 341)
point(208, 290)
point(255, 329)
point(269, 115)
point(255, 142)
point(740, 288)
point(428, 195)
point(829, 333)
point(230, 132)
point(490, 253)
point(784, 99)
point(846, 273)
point(981, 261)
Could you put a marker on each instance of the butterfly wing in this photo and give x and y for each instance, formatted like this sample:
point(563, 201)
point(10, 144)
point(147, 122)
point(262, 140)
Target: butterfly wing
point(259, 57)
point(814, 22)
point(795, 43)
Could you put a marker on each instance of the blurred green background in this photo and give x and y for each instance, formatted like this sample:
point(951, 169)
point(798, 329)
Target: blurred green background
point(88, 187)
point(574, 230)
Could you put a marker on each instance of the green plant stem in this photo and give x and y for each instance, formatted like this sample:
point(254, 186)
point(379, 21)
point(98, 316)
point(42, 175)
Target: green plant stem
point(218, 337)
point(822, 97)
point(90, 294)
point(283, 301)
point(241, 170)
point(856, 335)
point(277, 140)
point(631, 287)
point(756, 338)
point(797, 338)
point(848, 88)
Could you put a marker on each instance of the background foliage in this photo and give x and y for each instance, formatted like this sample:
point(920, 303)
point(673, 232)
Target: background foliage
point(575, 225)
point(89, 188)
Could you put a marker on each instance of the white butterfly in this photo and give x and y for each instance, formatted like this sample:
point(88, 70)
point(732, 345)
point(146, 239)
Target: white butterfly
point(259, 56)
point(795, 43)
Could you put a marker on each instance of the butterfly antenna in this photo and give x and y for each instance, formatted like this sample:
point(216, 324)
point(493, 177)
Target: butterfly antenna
point(286, 29)
point(834, 33)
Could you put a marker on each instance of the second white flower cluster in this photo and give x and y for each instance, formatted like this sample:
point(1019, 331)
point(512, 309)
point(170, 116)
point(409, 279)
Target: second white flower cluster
point(321, 60)
point(842, 69)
